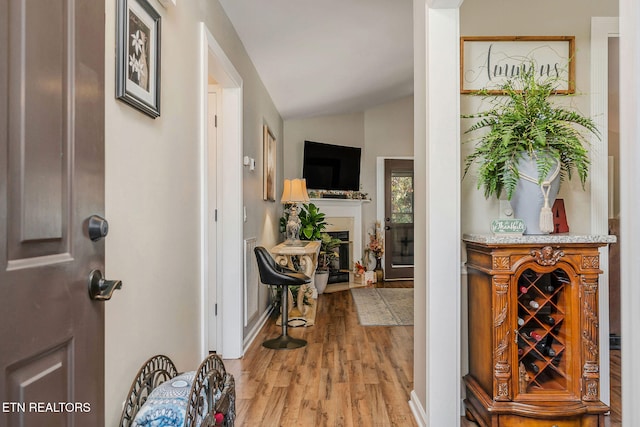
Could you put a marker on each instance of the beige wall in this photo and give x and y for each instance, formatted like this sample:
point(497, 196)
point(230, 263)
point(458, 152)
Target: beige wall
point(543, 18)
point(152, 198)
point(382, 131)
point(388, 131)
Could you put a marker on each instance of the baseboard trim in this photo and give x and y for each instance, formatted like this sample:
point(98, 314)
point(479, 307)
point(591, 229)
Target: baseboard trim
point(253, 333)
point(418, 411)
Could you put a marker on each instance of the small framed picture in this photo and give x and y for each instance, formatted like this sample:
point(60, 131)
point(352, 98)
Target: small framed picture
point(269, 165)
point(138, 56)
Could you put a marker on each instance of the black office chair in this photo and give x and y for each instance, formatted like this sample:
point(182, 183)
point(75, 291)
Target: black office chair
point(273, 274)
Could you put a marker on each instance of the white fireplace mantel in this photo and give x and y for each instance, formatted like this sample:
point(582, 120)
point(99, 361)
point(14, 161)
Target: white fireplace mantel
point(345, 208)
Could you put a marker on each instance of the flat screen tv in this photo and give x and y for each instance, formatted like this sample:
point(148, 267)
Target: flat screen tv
point(331, 167)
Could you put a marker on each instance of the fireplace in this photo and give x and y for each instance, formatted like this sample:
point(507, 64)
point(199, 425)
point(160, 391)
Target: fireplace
point(341, 228)
point(339, 270)
point(345, 218)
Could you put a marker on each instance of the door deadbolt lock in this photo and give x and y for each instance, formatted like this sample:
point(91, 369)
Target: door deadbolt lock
point(101, 289)
point(97, 228)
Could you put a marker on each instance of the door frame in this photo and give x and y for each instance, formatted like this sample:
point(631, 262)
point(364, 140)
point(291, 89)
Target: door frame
point(602, 28)
point(629, 12)
point(210, 225)
point(228, 269)
point(380, 198)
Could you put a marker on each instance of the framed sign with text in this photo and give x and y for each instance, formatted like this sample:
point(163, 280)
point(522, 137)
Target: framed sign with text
point(486, 63)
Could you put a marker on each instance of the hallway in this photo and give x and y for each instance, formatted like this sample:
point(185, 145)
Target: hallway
point(347, 375)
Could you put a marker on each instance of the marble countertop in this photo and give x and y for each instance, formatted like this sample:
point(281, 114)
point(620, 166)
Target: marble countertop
point(563, 238)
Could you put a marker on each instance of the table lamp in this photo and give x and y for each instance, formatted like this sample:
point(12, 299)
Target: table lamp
point(294, 192)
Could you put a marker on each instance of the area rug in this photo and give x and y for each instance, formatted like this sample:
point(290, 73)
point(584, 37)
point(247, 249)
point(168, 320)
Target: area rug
point(384, 306)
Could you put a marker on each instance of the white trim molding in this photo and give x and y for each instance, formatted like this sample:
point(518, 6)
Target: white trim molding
point(418, 411)
point(444, 4)
point(630, 207)
point(601, 30)
point(229, 273)
point(437, 211)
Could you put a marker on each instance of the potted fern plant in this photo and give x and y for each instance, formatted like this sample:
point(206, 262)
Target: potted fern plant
point(529, 147)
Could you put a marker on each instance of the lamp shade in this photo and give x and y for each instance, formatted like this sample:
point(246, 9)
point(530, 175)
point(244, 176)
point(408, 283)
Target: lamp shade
point(286, 191)
point(304, 191)
point(295, 191)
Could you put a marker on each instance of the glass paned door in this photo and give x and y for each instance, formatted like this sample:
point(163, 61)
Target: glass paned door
point(398, 220)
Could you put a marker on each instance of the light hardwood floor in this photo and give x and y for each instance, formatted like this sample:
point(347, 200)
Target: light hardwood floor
point(347, 375)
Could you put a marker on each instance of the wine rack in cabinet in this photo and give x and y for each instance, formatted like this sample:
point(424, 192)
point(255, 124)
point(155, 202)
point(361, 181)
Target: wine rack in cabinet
point(533, 331)
point(543, 337)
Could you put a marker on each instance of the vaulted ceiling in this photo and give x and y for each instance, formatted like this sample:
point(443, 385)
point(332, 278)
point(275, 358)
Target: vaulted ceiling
point(321, 57)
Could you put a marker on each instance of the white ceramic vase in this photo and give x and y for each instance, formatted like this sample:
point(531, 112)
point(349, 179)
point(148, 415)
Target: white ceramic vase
point(528, 198)
point(320, 280)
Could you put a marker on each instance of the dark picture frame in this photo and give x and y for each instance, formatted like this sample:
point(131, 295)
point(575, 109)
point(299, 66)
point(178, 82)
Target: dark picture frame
point(138, 56)
point(487, 62)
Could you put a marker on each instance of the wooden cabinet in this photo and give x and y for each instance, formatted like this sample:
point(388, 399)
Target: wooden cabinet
point(533, 331)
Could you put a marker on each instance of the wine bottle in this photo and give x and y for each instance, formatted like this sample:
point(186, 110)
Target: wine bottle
point(540, 347)
point(557, 359)
point(530, 365)
point(528, 301)
point(545, 347)
point(545, 318)
point(545, 350)
point(520, 321)
point(549, 288)
point(523, 289)
point(536, 336)
point(531, 334)
point(522, 344)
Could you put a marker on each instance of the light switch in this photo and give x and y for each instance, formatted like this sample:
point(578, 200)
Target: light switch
point(253, 164)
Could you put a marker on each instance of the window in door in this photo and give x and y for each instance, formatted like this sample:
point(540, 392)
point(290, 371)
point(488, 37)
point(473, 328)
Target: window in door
point(398, 227)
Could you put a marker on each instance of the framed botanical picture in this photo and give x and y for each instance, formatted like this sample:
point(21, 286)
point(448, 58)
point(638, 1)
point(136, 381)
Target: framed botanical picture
point(486, 63)
point(269, 165)
point(138, 56)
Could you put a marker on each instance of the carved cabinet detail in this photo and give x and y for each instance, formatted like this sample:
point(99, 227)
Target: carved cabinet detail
point(533, 334)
